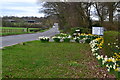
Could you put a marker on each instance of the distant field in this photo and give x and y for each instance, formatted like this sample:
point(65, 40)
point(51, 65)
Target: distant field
point(14, 28)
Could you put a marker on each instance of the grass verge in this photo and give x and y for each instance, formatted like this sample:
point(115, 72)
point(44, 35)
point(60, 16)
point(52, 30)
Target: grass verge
point(50, 60)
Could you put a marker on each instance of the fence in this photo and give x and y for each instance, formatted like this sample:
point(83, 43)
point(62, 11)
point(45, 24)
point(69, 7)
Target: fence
point(12, 30)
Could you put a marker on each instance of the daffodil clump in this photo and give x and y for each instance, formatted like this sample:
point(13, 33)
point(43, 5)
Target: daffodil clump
point(44, 39)
point(85, 37)
point(112, 63)
point(76, 33)
point(88, 37)
point(77, 39)
point(62, 35)
point(67, 38)
point(56, 38)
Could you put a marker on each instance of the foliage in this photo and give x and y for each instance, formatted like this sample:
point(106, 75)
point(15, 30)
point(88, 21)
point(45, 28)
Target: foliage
point(42, 22)
point(97, 25)
point(111, 43)
point(80, 13)
point(82, 30)
point(44, 39)
point(112, 63)
point(77, 39)
point(56, 39)
point(62, 35)
point(66, 39)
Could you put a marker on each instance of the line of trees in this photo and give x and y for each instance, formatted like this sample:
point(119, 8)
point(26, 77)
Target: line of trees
point(12, 21)
point(78, 14)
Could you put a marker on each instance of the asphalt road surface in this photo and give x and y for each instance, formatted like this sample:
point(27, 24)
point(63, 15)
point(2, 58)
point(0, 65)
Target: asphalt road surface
point(15, 39)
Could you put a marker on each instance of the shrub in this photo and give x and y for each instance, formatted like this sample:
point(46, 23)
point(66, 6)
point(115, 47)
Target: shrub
point(87, 40)
point(56, 39)
point(77, 39)
point(44, 39)
point(82, 30)
point(111, 42)
point(62, 35)
point(67, 39)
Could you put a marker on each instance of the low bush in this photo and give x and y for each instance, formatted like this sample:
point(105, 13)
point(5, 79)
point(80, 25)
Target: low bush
point(111, 42)
point(44, 39)
point(77, 39)
point(82, 30)
point(56, 39)
point(66, 39)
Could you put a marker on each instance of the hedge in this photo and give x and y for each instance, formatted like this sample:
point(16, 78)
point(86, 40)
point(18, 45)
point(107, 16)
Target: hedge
point(110, 41)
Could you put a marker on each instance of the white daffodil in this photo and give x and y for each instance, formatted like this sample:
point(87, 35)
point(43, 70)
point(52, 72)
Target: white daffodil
point(108, 69)
point(69, 36)
point(114, 43)
point(101, 56)
point(114, 66)
point(107, 65)
point(116, 46)
point(103, 62)
point(108, 43)
point(98, 57)
point(58, 37)
point(77, 30)
point(110, 66)
point(74, 33)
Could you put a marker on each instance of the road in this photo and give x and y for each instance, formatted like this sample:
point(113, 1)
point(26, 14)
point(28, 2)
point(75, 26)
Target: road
point(15, 39)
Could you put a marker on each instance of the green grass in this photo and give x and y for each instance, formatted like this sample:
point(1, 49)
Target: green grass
point(15, 28)
point(47, 60)
point(16, 33)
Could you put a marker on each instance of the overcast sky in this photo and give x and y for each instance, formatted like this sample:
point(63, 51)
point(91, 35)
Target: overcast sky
point(23, 8)
point(20, 8)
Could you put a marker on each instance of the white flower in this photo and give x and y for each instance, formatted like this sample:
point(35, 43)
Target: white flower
point(58, 37)
point(114, 67)
point(108, 69)
point(107, 65)
point(117, 46)
point(101, 56)
point(106, 58)
point(110, 66)
point(69, 36)
point(108, 43)
point(77, 30)
point(103, 62)
point(74, 33)
point(98, 57)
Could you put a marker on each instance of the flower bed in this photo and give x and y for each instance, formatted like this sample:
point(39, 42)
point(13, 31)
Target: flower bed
point(112, 63)
point(44, 39)
point(67, 39)
point(62, 35)
point(56, 39)
point(112, 44)
point(77, 39)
